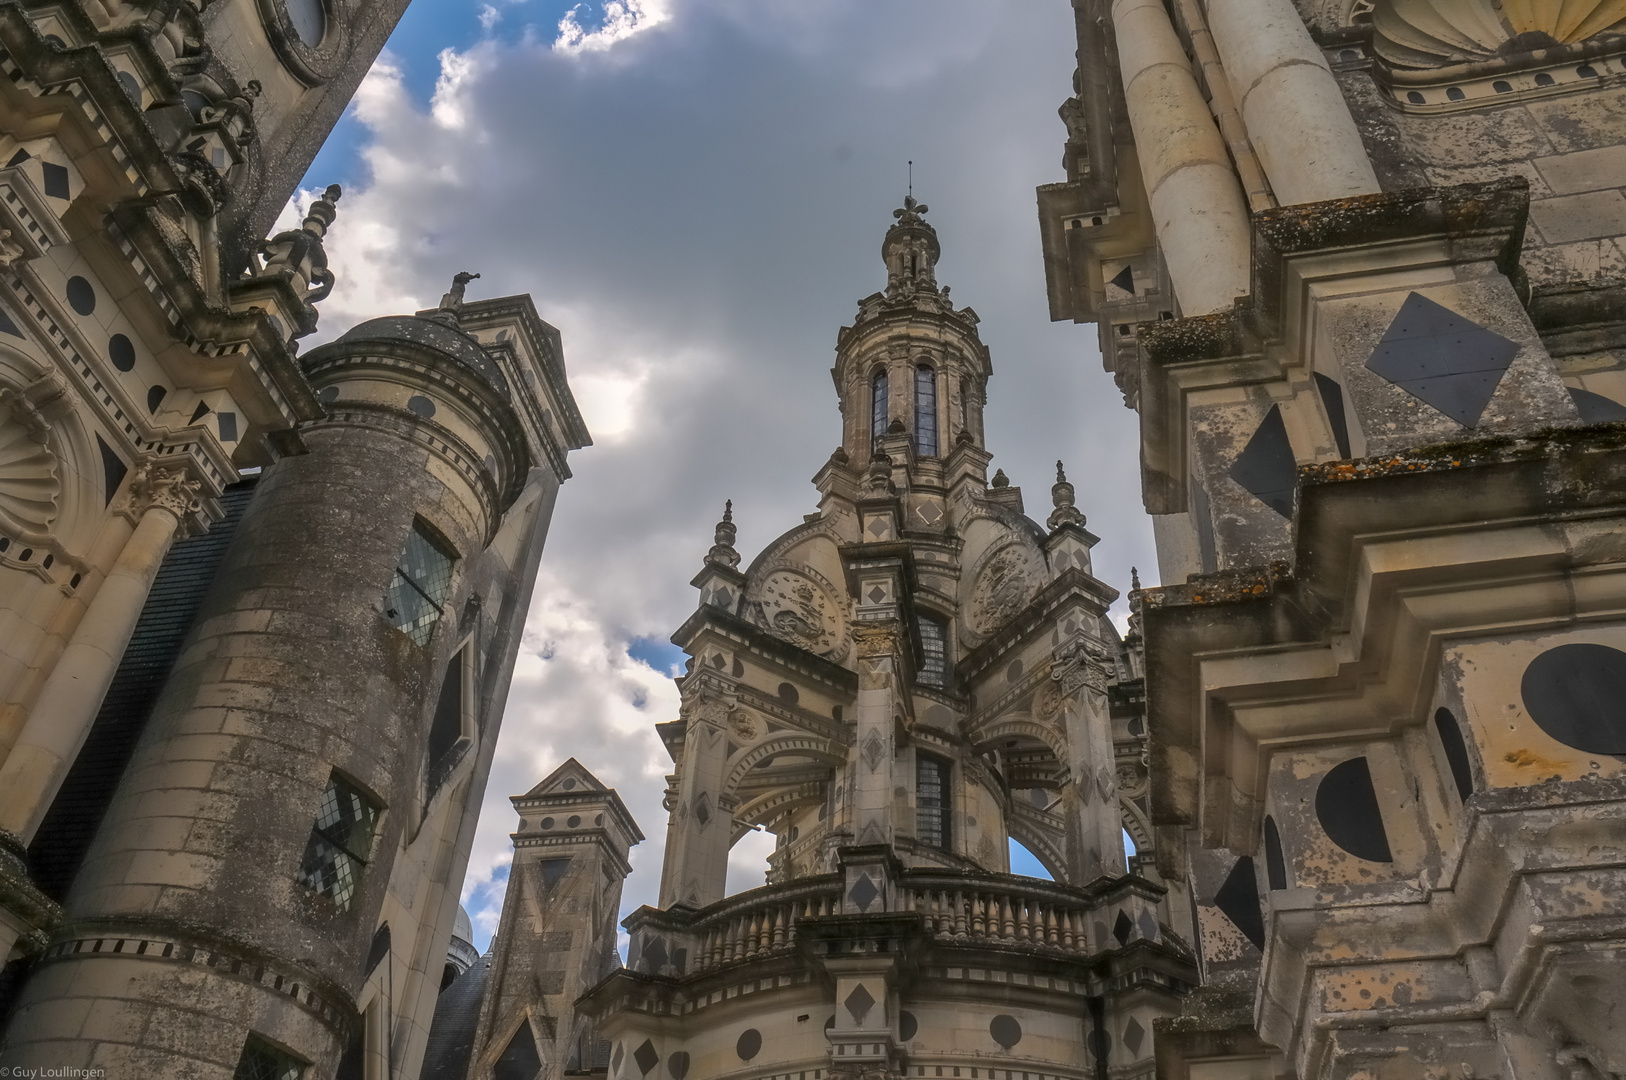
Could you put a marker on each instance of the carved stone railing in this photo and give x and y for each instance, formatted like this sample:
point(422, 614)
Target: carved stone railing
point(956, 909)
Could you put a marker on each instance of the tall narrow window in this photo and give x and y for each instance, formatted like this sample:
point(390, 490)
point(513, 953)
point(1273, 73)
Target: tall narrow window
point(925, 411)
point(965, 405)
point(447, 726)
point(417, 594)
point(341, 840)
point(934, 651)
point(877, 405)
point(932, 800)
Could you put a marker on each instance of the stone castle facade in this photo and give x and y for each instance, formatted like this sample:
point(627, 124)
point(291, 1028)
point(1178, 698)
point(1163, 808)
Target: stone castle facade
point(258, 610)
point(1358, 266)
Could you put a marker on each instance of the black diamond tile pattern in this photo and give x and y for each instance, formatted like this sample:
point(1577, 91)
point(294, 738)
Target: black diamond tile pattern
point(1122, 928)
point(1443, 359)
point(863, 893)
point(1238, 899)
point(859, 1003)
point(1125, 280)
point(1595, 408)
point(1134, 1035)
point(646, 1057)
point(1265, 468)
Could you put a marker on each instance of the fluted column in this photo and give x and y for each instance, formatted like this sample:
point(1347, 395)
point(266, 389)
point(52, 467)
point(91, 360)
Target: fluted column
point(1296, 116)
point(161, 499)
point(1196, 200)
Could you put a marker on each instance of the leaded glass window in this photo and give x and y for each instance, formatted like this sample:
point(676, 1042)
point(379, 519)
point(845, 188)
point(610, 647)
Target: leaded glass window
point(925, 411)
point(262, 1061)
point(423, 578)
point(877, 405)
point(932, 800)
point(934, 651)
point(340, 843)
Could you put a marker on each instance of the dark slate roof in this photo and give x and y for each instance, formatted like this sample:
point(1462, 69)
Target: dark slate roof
point(451, 1032)
point(434, 334)
point(87, 791)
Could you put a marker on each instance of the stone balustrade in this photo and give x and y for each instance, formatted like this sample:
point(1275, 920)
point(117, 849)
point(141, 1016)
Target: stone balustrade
point(955, 909)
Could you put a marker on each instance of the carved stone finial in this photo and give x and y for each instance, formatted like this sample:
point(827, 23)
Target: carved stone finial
point(722, 551)
point(299, 256)
point(1062, 496)
point(453, 300)
point(1134, 578)
point(879, 480)
point(910, 211)
point(1000, 479)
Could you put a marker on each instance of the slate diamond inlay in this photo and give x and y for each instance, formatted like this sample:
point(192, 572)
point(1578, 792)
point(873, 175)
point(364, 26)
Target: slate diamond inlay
point(1122, 928)
point(615, 1059)
point(1266, 468)
point(1147, 923)
point(877, 594)
point(646, 1057)
point(1134, 1034)
point(1443, 359)
point(859, 1002)
point(863, 894)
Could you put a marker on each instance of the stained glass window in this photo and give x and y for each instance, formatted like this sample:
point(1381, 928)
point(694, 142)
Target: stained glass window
point(932, 800)
point(877, 405)
point(340, 842)
point(925, 411)
point(934, 651)
point(417, 595)
point(262, 1061)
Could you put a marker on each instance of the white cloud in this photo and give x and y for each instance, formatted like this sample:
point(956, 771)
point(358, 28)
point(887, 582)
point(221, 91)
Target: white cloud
point(621, 19)
point(698, 225)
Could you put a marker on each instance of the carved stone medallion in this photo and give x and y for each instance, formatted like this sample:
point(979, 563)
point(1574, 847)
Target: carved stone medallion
point(1003, 587)
point(801, 610)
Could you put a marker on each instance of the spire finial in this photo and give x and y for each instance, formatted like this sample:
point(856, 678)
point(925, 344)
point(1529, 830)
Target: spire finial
point(722, 551)
point(1061, 494)
point(911, 177)
point(1134, 578)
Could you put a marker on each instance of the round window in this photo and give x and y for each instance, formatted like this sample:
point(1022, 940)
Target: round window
point(309, 19)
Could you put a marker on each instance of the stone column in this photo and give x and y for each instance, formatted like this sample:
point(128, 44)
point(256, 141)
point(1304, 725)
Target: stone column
point(701, 832)
point(1296, 116)
point(870, 792)
point(161, 500)
point(1089, 805)
point(1196, 200)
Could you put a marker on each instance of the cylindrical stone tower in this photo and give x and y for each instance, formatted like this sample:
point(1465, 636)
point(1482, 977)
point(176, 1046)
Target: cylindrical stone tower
point(340, 686)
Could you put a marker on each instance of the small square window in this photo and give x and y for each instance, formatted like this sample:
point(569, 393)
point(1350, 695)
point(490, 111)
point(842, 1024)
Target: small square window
point(262, 1061)
point(417, 594)
point(340, 842)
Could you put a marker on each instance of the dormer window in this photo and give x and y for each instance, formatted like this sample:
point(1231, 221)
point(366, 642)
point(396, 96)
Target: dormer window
point(877, 410)
point(925, 411)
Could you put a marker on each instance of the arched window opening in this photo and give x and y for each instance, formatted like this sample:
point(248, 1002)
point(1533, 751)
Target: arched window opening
point(1025, 863)
point(877, 407)
point(447, 728)
point(925, 411)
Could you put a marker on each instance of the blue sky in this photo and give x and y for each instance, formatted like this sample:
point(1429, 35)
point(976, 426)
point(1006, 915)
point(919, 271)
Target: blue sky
point(694, 193)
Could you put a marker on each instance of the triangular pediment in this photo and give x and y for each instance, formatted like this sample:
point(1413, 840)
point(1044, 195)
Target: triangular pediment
point(570, 777)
